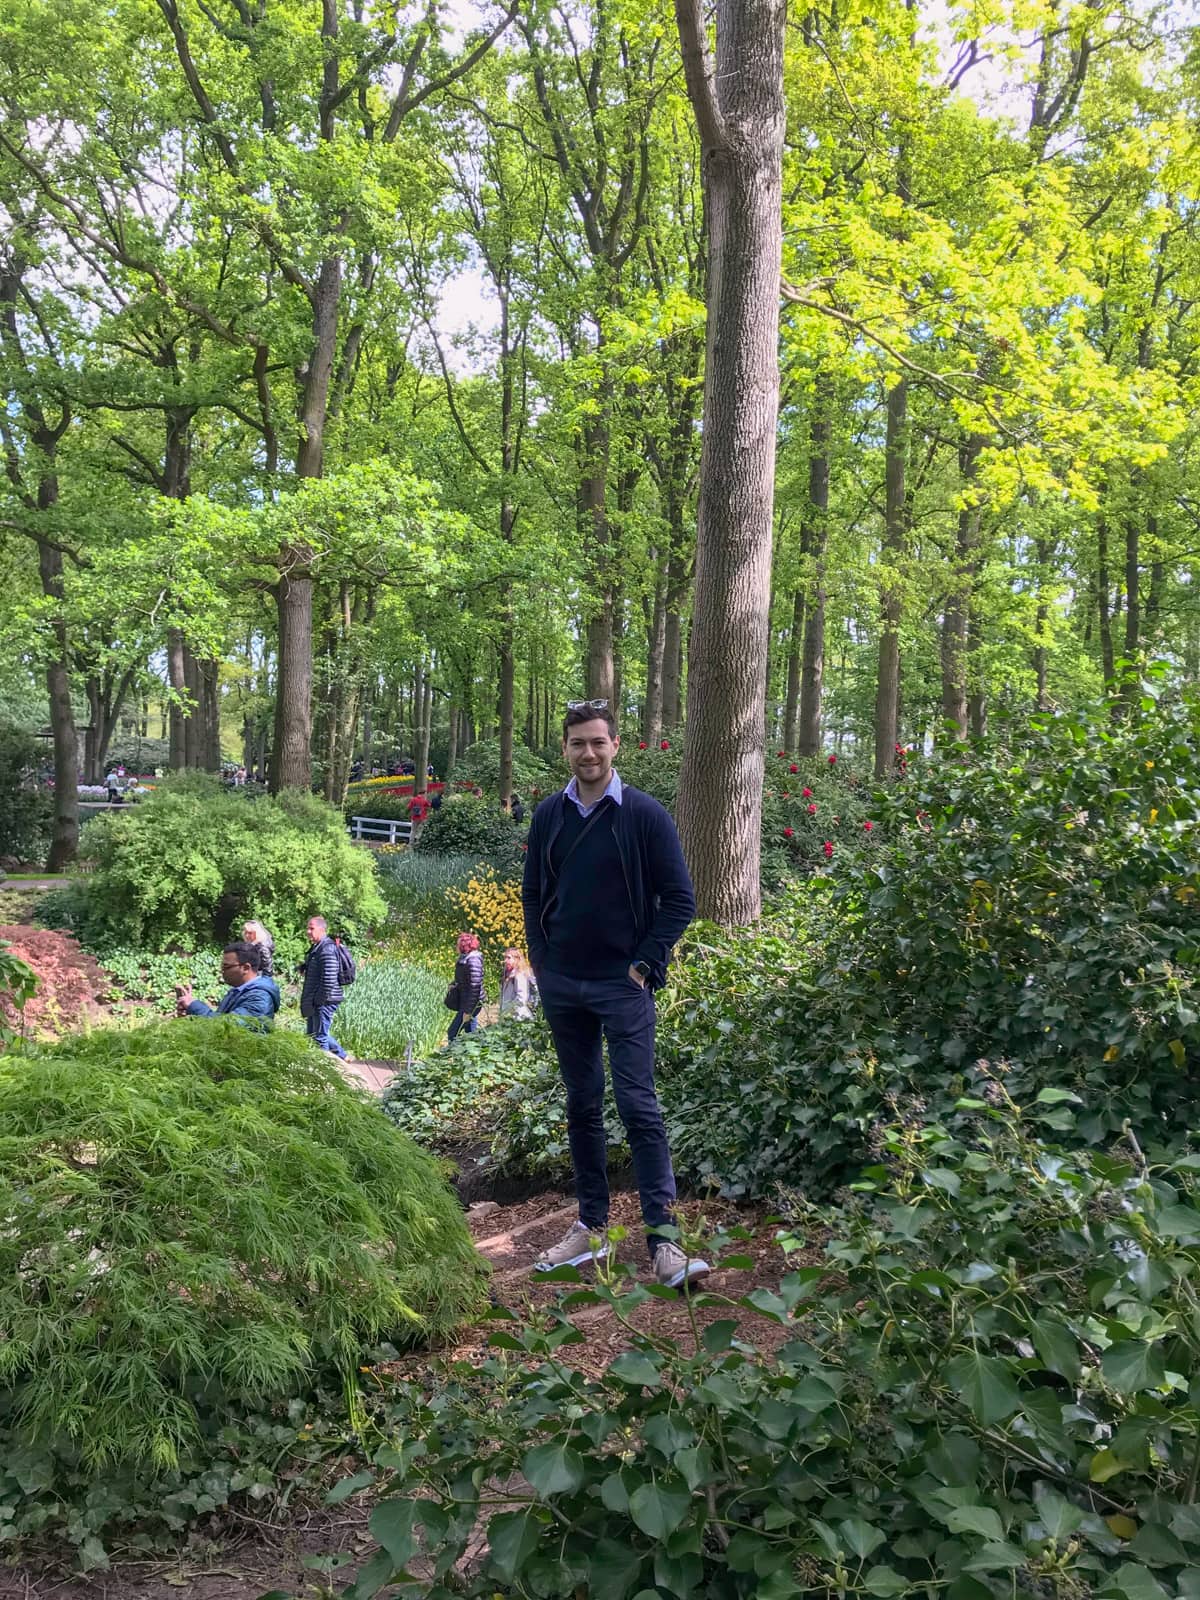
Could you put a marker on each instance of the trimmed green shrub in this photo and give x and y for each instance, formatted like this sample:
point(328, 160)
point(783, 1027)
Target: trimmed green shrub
point(190, 863)
point(391, 1006)
point(26, 811)
point(197, 1215)
point(464, 825)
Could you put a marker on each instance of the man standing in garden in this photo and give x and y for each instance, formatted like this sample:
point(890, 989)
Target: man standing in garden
point(321, 993)
point(606, 894)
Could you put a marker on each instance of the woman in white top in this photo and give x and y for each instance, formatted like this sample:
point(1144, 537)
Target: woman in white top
point(518, 988)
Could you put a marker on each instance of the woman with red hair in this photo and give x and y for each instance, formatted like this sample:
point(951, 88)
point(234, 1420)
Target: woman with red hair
point(468, 985)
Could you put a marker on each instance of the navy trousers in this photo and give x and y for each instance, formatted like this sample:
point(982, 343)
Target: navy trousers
point(580, 1012)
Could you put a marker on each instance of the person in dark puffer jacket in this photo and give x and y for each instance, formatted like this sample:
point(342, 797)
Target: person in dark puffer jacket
point(468, 980)
point(321, 993)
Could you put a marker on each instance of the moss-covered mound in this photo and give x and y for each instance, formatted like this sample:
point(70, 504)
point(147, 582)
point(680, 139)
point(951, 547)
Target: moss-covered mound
point(190, 1212)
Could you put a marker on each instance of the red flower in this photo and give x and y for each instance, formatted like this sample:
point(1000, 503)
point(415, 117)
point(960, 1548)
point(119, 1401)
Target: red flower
point(812, 810)
point(868, 826)
point(828, 848)
point(524, 847)
point(788, 832)
point(665, 745)
point(793, 767)
point(833, 761)
point(783, 794)
point(782, 754)
point(642, 744)
point(806, 794)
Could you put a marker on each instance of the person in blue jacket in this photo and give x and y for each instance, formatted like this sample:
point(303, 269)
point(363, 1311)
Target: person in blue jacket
point(251, 999)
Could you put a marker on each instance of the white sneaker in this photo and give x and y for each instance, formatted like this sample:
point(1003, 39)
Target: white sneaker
point(673, 1269)
point(577, 1246)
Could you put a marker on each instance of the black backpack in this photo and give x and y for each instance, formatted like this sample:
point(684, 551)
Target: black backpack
point(347, 971)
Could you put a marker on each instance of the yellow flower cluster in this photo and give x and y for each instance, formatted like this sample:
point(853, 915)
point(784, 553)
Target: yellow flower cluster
point(491, 907)
point(380, 783)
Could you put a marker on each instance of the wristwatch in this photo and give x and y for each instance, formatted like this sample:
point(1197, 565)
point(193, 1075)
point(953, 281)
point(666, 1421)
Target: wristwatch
point(642, 967)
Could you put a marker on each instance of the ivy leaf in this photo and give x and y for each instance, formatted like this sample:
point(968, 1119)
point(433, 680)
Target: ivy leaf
point(348, 1486)
point(631, 1366)
point(861, 1539)
point(1059, 1517)
point(1131, 1365)
point(1158, 1545)
point(658, 1508)
point(612, 1570)
point(976, 1519)
point(986, 1385)
point(392, 1523)
point(996, 1558)
point(1057, 1348)
point(554, 1468)
point(1131, 1582)
point(513, 1536)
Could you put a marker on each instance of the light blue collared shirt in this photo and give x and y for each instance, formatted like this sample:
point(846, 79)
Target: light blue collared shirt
point(614, 790)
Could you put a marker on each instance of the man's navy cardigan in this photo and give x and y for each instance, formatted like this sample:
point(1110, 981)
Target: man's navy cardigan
point(654, 876)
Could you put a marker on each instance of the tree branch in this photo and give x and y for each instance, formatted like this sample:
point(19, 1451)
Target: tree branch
point(700, 74)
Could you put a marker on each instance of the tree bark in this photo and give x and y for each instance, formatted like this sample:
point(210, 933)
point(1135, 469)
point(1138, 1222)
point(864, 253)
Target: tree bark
point(895, 542)
point(177, 678)
point(957, 609)
point(64, 840)
point(210, 732)
point(291, 763)
point(812, 676)
point(656, 644)
point(739, 105)
point(1104, 600)
point(424, 700)
point(791, 706)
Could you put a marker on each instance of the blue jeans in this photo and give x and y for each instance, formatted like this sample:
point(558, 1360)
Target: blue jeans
point(580, 1012)
point(318, 1026)
point(462, 1019)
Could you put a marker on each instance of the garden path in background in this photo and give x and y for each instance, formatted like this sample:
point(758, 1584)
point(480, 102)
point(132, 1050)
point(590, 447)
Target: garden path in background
point(245, 1557)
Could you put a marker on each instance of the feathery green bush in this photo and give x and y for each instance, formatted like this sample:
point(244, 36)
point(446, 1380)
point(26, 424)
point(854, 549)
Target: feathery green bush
point(196, 1215)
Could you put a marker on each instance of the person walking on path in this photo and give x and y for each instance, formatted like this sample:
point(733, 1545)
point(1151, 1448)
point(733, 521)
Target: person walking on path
point(251, 999)
point(606, 894)
point(113, 784)
point(468, 984)
point(254, 933)
point(518, 991)
point(321, 993)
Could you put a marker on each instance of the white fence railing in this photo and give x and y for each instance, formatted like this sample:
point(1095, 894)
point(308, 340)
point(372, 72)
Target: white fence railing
point(380, 830)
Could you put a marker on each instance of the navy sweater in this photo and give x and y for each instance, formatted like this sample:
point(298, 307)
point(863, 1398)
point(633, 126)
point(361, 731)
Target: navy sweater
point(651, 886)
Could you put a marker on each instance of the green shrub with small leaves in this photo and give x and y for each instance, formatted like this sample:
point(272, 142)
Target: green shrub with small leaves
point(480, 763)
point(197, 1215)
point(465, 825)
point(190, 863)
point(26, 810)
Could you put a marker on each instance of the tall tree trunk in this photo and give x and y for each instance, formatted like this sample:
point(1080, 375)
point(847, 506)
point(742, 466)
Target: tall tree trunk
point(739, 105)
point(177, 677)
point(1133, 600)
point(425, 714)
point(1040, 652)
point(895, 542)
point(64, 839)
point(1104, 600)
point(452, 745)
point(291, 751)
point(192, 718)
point(593, 523)
point(957, 610)
point(656, 644)
point(210, 733)
point(791, 707)
point(812, 677)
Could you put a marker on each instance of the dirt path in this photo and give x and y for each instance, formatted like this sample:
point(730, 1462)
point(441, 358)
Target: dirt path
point(250, 1556)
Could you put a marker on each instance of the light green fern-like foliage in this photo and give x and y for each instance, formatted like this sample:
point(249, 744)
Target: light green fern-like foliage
point(188, 1211)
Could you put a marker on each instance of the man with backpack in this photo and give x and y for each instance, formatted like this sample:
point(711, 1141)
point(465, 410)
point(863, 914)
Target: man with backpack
point(328, 969)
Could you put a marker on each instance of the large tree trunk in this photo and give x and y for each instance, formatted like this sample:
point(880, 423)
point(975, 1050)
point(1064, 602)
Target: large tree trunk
point(895, 540)
point(210, 732)
point(593, 523)
point(291, 753)
point(740, 112)
point(64, 840)
point(812, 676)
point(425, 714)
point(177, 678)
point(656, 645)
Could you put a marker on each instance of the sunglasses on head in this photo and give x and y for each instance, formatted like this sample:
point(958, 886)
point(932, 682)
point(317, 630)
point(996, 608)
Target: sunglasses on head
point(587, 705)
